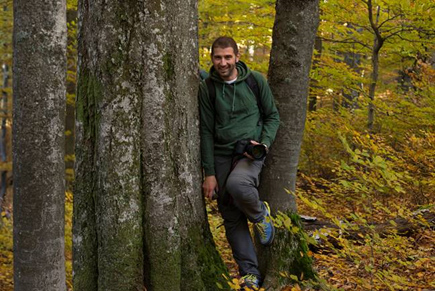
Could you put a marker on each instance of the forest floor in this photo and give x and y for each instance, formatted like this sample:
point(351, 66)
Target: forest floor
point(397, 263)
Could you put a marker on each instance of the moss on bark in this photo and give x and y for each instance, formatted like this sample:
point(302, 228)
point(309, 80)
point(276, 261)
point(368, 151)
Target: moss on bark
point(290, 256)
point(85, 257)
point(89, 94)
point(297, 249)
point(209, 269)
point(162, 261)
point(168, 66)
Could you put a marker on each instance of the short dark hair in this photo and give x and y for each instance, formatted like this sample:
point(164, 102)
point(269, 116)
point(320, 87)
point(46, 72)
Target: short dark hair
point(224, 42)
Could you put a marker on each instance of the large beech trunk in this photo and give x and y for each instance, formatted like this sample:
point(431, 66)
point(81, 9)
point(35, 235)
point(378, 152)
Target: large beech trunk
point(294, 34)
point(139, 216)
point(39, 75)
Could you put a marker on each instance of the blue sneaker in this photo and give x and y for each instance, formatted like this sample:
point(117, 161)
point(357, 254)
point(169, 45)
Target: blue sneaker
point(264, 229)
point(249, 282)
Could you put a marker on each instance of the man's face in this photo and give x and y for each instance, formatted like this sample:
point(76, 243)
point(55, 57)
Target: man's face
point(224, 61)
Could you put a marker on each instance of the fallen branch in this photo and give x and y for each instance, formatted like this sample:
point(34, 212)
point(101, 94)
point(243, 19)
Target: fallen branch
point(400, 226)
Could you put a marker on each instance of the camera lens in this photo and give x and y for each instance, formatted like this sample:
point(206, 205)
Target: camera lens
point(257, 151)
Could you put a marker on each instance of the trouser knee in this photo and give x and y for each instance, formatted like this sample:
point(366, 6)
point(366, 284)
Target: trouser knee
point(241, 188)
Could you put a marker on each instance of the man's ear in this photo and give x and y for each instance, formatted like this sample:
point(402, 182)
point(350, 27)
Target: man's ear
point(237, 57)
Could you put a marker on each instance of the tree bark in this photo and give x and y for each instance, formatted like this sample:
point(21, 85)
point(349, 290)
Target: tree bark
point(3, 137)
point(292, 47)
point(353, 60)
point(377, 45)
point(313, 88)
point(39, 73)
point(139, 216)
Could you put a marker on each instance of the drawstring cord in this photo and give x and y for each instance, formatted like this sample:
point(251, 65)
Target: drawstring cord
point(223, 91)
point(234, 96)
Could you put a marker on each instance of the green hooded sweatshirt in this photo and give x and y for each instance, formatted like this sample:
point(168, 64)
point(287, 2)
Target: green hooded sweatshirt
point(234, 116)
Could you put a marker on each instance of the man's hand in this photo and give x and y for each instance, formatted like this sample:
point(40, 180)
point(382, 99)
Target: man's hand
point(209, 186)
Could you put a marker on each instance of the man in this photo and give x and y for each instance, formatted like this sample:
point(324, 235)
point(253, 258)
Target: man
point(234, 111)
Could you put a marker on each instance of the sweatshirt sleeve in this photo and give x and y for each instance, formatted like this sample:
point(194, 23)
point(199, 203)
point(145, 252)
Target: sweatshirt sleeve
point(271, 115)
point(207, 115)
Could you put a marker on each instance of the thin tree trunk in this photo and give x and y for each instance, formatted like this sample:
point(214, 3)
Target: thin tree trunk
point(139, 216)
point(312, 100)
point(292, 47)
point(352, 59)
point(372, 87)
point(377, 45)
point(3, 143)
point(39, 72)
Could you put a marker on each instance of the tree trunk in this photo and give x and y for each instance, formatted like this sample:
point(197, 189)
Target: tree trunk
point(373, 82)
point(292, 47)
point(314, 88)
point(353, 60)
point(377, 45)
point(139, 216)
point(39, 73)
point(3, 138)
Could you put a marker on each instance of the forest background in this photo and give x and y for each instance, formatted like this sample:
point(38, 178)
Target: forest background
point(368, 156)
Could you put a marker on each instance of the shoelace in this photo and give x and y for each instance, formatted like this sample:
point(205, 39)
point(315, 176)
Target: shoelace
point(261, 229)
point(251, 279)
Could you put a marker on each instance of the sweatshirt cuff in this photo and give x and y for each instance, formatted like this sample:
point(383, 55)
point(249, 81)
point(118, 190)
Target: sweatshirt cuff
point(209, 172)
point(265, 142)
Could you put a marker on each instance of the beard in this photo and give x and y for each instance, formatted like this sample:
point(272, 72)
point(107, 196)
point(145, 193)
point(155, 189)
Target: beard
point(226, 72)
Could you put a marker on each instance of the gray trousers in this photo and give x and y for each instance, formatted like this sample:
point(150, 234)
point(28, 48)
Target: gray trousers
point(238, 202)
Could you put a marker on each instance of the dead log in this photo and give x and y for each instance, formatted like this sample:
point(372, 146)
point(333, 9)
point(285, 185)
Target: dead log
point(400, 226)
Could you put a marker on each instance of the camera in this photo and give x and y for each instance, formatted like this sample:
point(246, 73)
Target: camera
point(257, 151)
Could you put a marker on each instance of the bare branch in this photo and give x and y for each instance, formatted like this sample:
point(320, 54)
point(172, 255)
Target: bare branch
point(415, 40)
point(367, 28)
point(347, 41)
point(406, 29)
point(389, 19)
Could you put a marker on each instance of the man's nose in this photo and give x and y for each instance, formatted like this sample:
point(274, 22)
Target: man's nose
point(223, 62)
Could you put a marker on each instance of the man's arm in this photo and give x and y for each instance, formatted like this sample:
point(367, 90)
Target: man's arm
point(270, 112)
point(207, 115)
